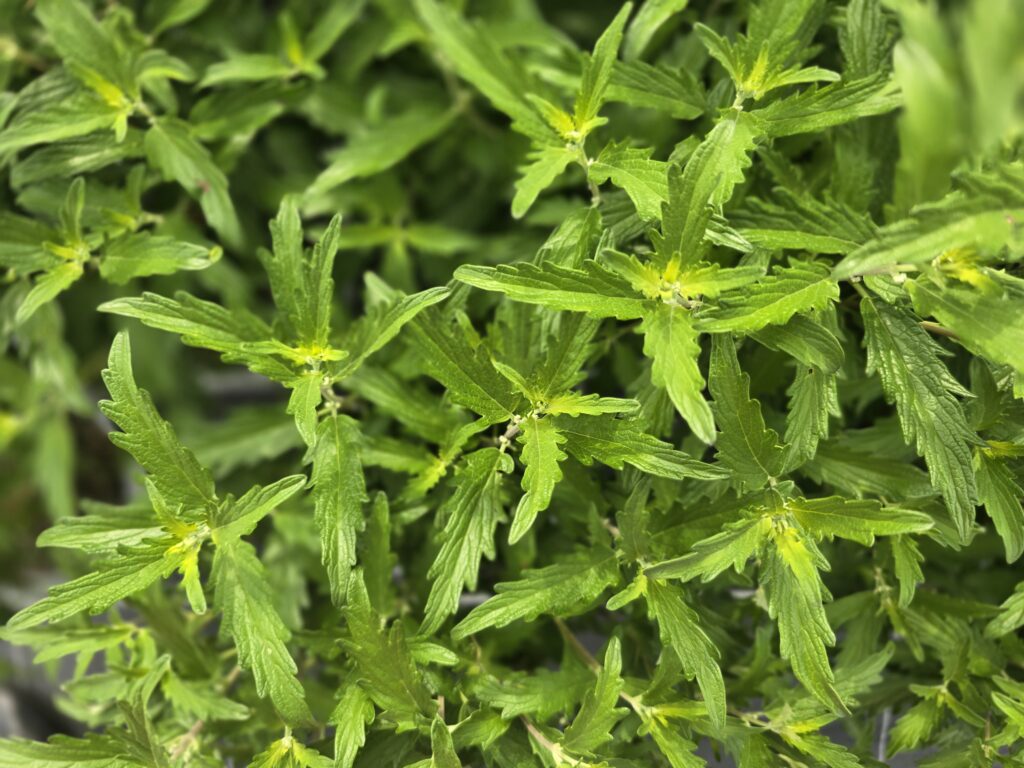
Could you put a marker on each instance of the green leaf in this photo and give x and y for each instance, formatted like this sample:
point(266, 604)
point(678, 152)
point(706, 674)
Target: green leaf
point(76, 114)
point(541, 454)
point(799, 287)
point(93, 751)
point(443, 754)
point(592, 289)
point(729, 548)
point(130, 571)
point(981, 215)
point(80, 40)
point(806, 340)
point(617, 442)
point(597, 71)
point(632, 169)
point(142, 254)
point(246, 68)
point(472, 513)
point(681, 631)
point(801, 222)
point(907, 559)
point(380, 146)
point(651, 17)
point(598, 714)
point(543, 166)
point(244, 597)
point(1001, 494)
point(386, 669)
point(563, 589)
point(47, 287)
point(173, 469)
point(795, 595)
point(670, 341)
point(673, 91)
point(914, 377)
point(339, 492)
point(350, 718)
point(745, 445)
point(858, 521)
point(815, 109)
point(175, 152)
point(813, 398)
point(304, 402)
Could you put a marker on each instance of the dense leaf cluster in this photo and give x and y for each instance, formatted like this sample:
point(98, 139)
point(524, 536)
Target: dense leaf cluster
point(621, 384)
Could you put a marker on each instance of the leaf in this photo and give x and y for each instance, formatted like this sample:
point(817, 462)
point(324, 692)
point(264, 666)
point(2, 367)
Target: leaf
point(914, 377)
point(239, 517)
point(379, 147)
point(980, 215)
point(1001, 494)
point(801, 222)
point(799, 287)
point(795, 595)
point(543, 166)
point(474, 55)
point(246, 68)
point(729, 548)
point(79, 39)
point(670, 341)
point(806, 340)
point(304, 402)
point(563, 589)
point(592, 289)
point(47, 287)
point(173, 469)
point(907, 558)
point(673, 91)
point(472, 513)
point(617, 442)
point(858, 521)
point(77, 114)
point(142, 254)
point(813, 398)
point(386, 669)
point(815, 109)
point(244, 597)
point(651, 17)
point(130, 571)
point(339, 492)
point(708, 181)
point(174, 151)
point(441, 746)
point(93, 751)
point(745, 445)
point(632, 169)
point(466, 372)
point(350, 718)
point(597, 71)
point(598, 714)
point(680, 630)
point(541, 454)
point(989, 323)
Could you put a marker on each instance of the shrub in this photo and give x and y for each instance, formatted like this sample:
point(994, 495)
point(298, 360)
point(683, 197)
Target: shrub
point(660, 394)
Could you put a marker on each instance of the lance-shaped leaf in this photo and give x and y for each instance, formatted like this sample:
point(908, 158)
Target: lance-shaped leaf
point(617, 442)
point(857, 520)
point(563, 589)
point(339, 492)
point(802, 223)
point(472, 513)
point(806, 340)
point(386, 668)
point(671, 342)
point(681, 631)
point(982, 215)
point(598, 714)
point(730, 548)
point(1001, 494)
point(350, 718)
point(142, 254)
point(248, 616)
point(707, 182)
point(673, 91)
point(990, 323)
point(541, 454)
point(47, 287)
point(795, 596)
point(813, 398)
point(543, 166)
point(815, 109)
point(914, 376)
point(597, 71)
point(799, 287)
point(93, 751)
point(745, 445)
point(131, 570)
point(592, 289)
point(172, 468)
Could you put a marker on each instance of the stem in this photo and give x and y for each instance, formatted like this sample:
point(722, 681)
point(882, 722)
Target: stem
point(938, 330)
point(595, 665)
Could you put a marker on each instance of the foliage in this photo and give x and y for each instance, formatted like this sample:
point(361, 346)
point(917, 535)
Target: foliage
point(599, 384)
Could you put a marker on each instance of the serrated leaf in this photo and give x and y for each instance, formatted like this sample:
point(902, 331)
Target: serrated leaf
point(563, 589)
point(243, 596)
point(617, 442)
point(913, 375)
point(729, 548)
point(47, 287)
point(598, 714)
point(541, 454)
point(1000, 493)
point(472, 513)
point(339, 492)
point(681, 631)
point(858, 521)
point(543, 166)
point(350, 718)
point(799, 287)
point(670, 341)
point(632, 169)
point(142, 254)
point(745, 445)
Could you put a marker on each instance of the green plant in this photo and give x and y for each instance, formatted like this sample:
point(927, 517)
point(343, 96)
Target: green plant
point(492, 380)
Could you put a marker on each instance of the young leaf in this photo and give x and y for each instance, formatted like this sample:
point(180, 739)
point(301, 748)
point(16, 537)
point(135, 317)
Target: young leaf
point(598, 714)
point(541, 454)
